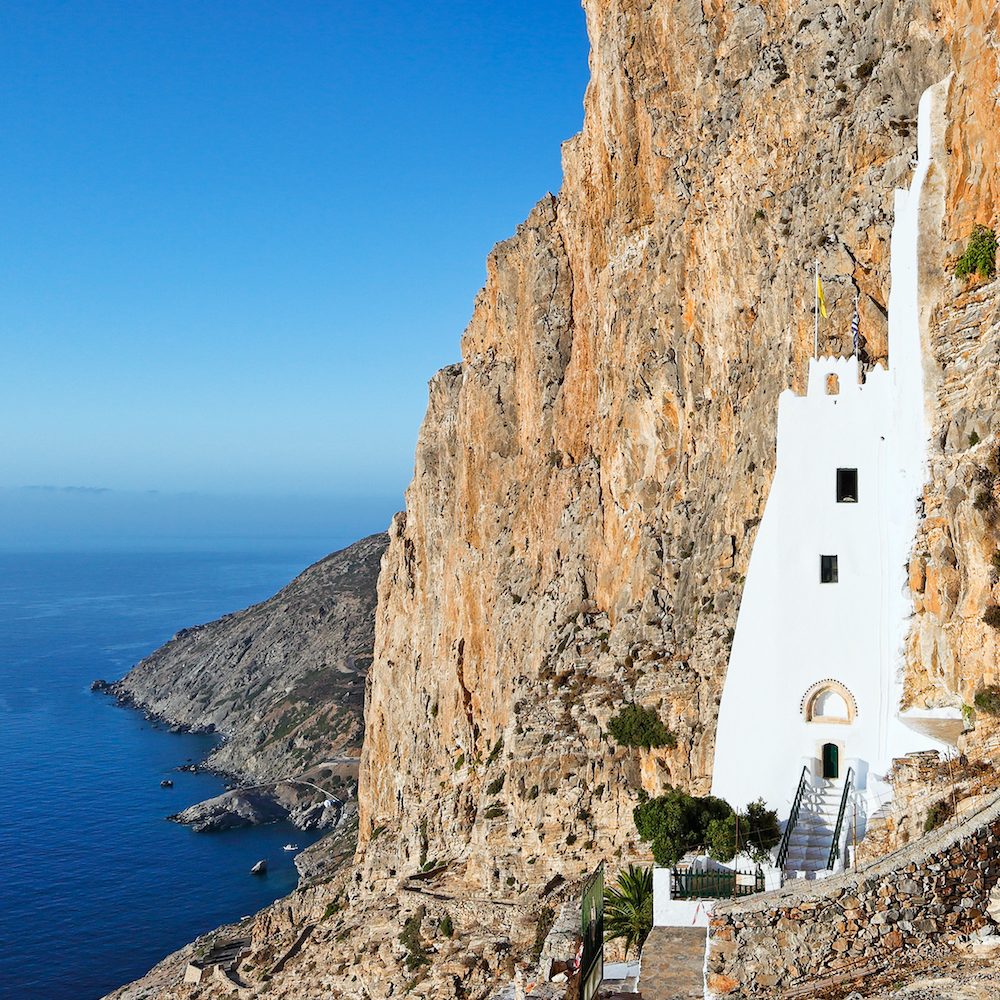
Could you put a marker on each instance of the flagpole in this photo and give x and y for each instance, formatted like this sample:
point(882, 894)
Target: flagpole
point(857, 320)
point(816, 313)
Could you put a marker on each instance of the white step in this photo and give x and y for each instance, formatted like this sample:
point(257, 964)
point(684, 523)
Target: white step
point(811, 838)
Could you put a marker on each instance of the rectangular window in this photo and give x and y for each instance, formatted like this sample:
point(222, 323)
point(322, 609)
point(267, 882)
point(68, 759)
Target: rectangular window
point(847, 485)
point(827, 569)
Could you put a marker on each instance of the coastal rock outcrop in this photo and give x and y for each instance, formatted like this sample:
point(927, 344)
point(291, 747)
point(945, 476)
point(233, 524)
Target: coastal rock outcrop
point(302, 805)
point(283, 681)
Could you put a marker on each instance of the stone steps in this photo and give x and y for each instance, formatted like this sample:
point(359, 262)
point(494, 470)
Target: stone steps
point(810, 840)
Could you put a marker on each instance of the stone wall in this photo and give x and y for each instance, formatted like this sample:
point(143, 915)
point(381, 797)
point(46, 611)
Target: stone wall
point(863, 921)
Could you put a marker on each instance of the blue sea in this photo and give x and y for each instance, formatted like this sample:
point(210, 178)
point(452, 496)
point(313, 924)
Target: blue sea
point(95, 885)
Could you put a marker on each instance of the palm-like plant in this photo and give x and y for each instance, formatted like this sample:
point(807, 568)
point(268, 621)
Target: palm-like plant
point(628, 907)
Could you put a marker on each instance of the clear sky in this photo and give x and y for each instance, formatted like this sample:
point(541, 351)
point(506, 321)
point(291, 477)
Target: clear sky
point(238, 238)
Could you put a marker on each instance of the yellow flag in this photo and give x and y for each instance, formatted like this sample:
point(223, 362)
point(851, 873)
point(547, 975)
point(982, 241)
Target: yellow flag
point(819, 295)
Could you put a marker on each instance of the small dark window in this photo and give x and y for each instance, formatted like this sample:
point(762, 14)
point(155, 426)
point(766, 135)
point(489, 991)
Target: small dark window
point(847, 485)
point(827, 569)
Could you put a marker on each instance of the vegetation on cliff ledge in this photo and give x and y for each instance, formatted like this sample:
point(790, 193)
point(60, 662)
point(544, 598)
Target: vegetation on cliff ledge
point(980, 257)
point(636, 726)
point(988, 699)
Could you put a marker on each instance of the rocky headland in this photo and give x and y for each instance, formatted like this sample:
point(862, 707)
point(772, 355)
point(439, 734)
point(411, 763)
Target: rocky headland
point(589, 479)
point(283, 685)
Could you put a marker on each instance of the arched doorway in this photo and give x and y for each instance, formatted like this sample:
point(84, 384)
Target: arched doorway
point(831, 760)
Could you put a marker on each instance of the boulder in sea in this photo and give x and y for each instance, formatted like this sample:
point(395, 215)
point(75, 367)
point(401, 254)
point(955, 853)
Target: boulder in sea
point(259, 869)
point(166, 783)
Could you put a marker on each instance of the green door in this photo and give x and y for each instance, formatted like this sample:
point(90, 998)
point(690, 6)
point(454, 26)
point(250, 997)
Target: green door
point(831, 760)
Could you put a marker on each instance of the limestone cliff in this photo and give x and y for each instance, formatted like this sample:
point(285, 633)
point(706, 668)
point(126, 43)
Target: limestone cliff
point(953, 574)
point(589, 479)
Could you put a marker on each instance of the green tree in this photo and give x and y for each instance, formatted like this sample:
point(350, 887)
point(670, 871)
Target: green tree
point(676, 823)
point(628, 907)
point(758, 831)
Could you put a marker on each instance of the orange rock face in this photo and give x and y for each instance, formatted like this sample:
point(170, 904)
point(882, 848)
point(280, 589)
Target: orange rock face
point(589, 480)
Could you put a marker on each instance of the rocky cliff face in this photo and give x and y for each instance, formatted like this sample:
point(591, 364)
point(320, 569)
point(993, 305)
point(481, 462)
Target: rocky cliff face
point(282, 680)
point(952, 652)
point(589, 479)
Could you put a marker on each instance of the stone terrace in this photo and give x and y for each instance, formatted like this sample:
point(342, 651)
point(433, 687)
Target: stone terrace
point(795, 940)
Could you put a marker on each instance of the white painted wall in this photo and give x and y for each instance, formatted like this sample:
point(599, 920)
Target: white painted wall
point(670, 912)
point(793, 630)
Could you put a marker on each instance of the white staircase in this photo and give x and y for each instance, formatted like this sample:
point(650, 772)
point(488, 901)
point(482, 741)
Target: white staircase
point(812, 835)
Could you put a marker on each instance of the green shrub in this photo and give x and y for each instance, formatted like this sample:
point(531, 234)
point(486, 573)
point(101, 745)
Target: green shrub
point(495, 812)
point(546, 918)
point(446, 927)
point(984, 500)
point(676, 823)
point(980, 255)
point(991, 616)
point(636, 726)
point(995, 560)
point(974, 439)
point(494, 786)
point(938, 813)
point(416, 953)
point(988, 699)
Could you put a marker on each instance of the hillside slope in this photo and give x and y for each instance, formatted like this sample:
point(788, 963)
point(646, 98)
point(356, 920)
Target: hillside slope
point(283, 680)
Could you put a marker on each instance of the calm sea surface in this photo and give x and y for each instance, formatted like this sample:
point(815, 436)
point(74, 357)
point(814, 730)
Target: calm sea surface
point(95, 885)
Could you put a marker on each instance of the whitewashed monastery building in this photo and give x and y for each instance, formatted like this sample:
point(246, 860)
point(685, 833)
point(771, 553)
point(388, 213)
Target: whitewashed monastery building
point(810, 716)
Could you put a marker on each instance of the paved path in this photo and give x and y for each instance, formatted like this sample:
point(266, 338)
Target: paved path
point(673, 960)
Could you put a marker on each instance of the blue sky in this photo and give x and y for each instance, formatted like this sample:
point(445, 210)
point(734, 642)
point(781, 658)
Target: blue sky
point(238, 238)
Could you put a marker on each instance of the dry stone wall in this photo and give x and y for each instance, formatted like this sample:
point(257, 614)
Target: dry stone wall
point(859, 922)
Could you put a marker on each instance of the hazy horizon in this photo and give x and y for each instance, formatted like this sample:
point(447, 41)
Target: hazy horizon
point(239, 239)
point(93, 519)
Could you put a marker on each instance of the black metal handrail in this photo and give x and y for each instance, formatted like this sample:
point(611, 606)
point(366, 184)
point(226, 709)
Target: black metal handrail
point(835, 846)
point(793, 816)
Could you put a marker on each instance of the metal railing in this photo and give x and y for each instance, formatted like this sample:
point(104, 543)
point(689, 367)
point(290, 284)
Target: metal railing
point(835, 845)
point(714, 884)
point(793, 817)
point(592, 931)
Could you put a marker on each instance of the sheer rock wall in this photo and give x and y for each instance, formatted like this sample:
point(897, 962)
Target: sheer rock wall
point(589, 480)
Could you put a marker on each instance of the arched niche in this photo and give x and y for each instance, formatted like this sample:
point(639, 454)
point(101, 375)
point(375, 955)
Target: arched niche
point(828, 701)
